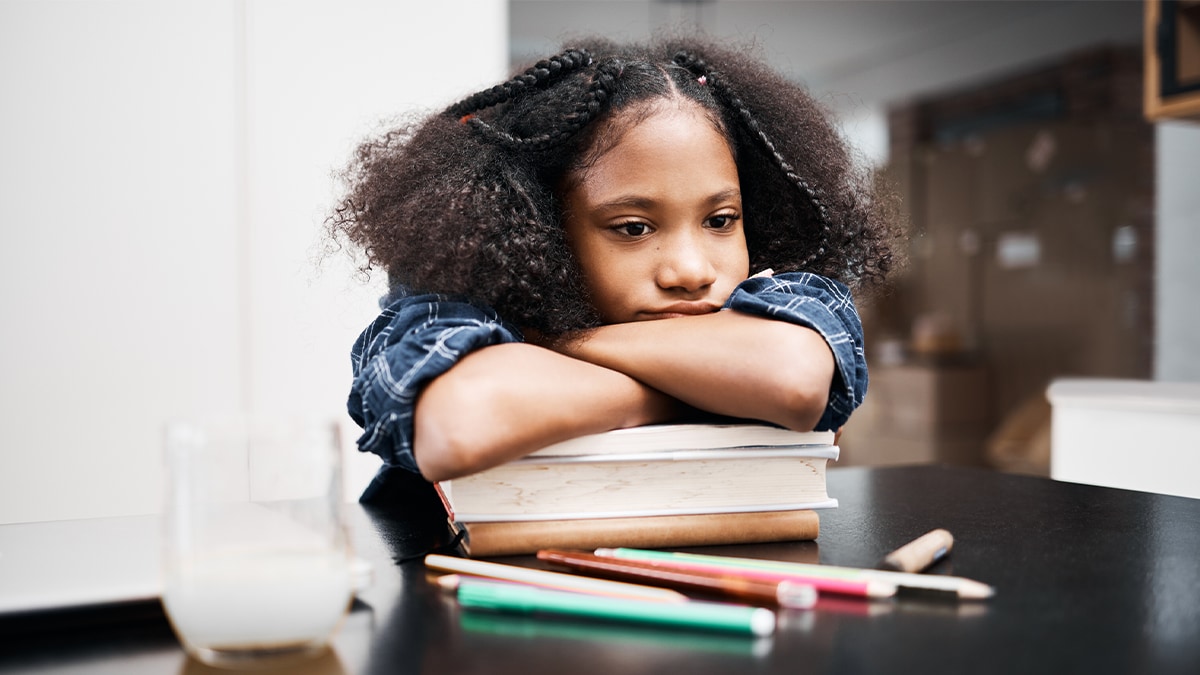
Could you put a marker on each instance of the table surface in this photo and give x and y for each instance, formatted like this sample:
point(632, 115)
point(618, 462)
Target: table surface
point(1087, 579)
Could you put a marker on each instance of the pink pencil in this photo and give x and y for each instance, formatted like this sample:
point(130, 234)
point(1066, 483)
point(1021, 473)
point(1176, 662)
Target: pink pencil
point(862, 589)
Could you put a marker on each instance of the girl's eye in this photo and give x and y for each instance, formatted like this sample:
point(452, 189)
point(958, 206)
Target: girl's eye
point(722, 222)
point(632, 229)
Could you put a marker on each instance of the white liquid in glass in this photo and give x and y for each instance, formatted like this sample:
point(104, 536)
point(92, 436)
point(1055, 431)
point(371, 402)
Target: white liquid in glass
point(258, 600)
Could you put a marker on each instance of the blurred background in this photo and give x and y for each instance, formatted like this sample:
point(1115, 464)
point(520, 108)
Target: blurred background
point(166, 167)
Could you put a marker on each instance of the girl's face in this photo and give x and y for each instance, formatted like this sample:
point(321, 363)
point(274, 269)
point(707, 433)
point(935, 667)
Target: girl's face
point(656, 222)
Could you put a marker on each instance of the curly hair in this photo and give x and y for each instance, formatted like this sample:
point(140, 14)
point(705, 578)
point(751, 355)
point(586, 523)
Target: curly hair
point(468, 201)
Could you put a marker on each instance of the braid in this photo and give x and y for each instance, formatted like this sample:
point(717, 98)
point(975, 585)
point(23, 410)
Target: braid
point(699, 68)
point(541, 74)
point(593, 102)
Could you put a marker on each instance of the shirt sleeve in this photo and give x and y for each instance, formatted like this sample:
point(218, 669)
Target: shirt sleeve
point(824, 305)
point(415, 339)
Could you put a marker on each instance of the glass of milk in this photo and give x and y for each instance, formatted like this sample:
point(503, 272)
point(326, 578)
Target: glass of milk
point(257, 555)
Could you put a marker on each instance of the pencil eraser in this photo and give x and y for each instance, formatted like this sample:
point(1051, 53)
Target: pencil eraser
point(762, 622)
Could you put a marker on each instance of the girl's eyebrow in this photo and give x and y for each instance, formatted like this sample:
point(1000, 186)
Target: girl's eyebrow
point(637, 201)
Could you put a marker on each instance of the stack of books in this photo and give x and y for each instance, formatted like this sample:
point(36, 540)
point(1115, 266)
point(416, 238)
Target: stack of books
point(648, 487)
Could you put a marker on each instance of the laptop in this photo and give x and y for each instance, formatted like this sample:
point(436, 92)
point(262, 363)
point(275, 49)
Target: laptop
point(70, 564)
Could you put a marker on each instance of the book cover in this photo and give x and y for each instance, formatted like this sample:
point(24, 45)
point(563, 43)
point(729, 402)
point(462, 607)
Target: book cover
point(654, 438)
point(526, 537)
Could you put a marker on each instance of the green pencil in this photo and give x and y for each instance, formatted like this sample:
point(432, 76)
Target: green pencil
point(528, 599)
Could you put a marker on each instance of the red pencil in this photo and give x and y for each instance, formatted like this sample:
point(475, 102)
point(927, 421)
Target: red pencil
point(787, 594)
point(849, 587)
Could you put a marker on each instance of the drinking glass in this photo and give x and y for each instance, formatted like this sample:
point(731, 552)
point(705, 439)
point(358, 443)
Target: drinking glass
point(257, 556)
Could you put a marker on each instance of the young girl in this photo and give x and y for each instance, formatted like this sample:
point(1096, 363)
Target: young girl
point(620, 235)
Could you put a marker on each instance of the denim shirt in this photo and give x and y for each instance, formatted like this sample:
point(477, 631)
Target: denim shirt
point(418, 337)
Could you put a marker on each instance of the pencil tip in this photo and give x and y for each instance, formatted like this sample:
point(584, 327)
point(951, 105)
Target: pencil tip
point(976, 590)
point(448, 582)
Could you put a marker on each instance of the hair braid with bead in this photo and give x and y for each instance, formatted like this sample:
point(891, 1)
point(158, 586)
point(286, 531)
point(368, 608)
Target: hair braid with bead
point(542, 74)
point(712, 78)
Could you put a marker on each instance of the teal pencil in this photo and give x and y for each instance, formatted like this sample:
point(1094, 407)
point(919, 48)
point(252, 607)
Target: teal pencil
point(482, 594)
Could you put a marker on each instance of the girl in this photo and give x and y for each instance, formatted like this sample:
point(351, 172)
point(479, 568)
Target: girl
point(620, 235)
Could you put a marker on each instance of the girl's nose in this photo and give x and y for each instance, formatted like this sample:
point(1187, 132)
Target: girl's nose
point(684, 264)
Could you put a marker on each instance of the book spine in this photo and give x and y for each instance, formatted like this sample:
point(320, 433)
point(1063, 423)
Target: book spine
point(441, 490)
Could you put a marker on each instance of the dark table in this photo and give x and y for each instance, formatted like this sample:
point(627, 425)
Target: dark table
point(1088, 579)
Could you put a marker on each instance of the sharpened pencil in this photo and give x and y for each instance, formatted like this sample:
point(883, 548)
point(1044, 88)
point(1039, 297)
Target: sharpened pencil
point(964, 589)
point(785, 594)
point(554, 580)
point(859, 588)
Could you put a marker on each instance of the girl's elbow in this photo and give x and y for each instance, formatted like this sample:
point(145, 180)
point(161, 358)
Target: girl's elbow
point(806, 381)
point(807, 393)
point(443, 458)
point(457, 445)
point(804, 407)
point(445, 444)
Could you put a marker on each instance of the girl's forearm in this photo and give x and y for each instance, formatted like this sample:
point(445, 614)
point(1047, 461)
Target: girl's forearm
point(727, 363)
point(505, 401)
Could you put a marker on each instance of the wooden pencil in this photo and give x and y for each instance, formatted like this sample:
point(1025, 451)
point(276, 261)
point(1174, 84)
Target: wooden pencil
point(855, 587)
point(964, 589)
point(783, 594)
point(555, 580)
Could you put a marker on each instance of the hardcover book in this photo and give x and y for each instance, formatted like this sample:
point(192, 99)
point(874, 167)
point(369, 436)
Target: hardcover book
point(652, 486)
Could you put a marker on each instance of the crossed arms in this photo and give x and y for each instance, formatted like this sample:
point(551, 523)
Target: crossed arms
point(446, 387)
point(504, 401)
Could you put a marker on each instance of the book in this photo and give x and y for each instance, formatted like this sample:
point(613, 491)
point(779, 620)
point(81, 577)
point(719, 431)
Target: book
point(654, 438)
point(656, 470)
point(486, 539)
point(650, 487)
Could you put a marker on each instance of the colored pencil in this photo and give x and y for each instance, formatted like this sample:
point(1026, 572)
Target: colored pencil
point(787, 594)
point(965, 589)
point(860, 588)
point(553, 580)
point(486, 594)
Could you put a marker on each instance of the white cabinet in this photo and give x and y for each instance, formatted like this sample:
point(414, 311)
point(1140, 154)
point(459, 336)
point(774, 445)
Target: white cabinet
point(1132, 434)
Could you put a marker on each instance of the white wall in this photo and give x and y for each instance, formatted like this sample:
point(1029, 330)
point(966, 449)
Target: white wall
point(164, 171)
point(1177, 287)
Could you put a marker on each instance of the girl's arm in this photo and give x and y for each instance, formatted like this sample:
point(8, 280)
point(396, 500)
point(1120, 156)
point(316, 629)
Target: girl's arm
point(507, 400)
point(787, 349)
point(729, 363)
point(445, 387)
